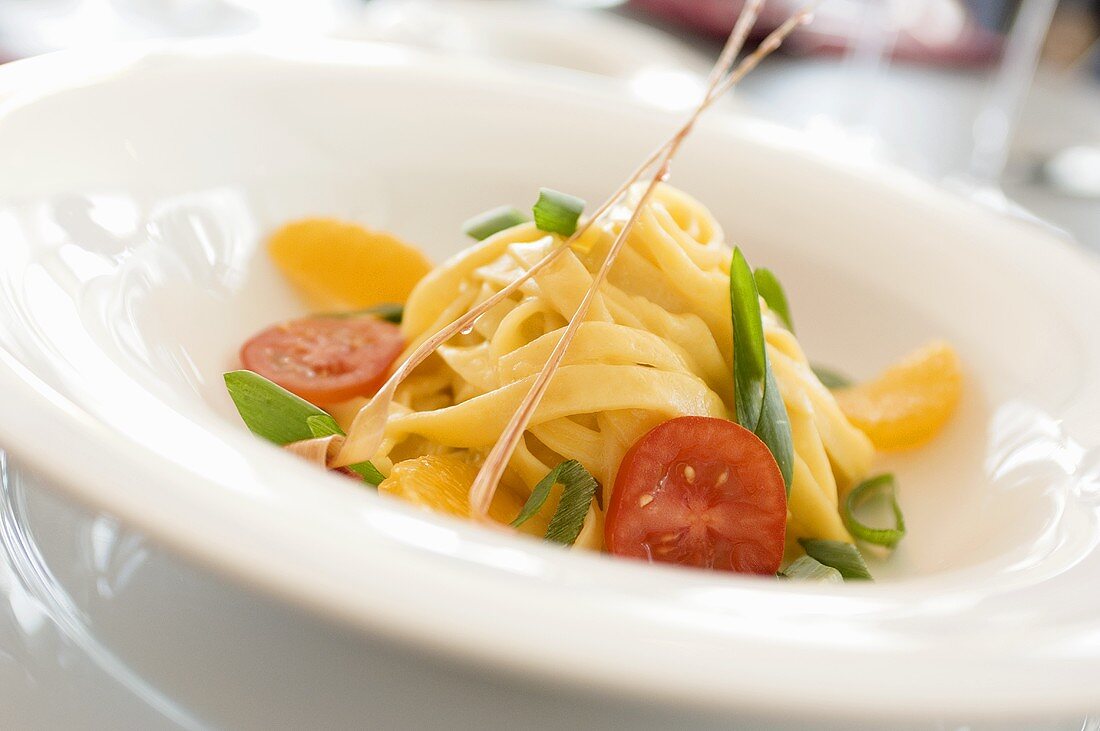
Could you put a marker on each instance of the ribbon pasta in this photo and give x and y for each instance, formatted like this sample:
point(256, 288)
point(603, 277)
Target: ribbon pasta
point(656, 344)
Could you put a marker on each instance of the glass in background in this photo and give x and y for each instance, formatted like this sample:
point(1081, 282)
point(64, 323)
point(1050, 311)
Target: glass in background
point(946, 89)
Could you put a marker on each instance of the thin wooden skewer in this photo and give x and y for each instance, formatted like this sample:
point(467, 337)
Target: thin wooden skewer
point(368, 427)
point(767, 46)
point(488, 477)
point(733, 46)
point(745, 21)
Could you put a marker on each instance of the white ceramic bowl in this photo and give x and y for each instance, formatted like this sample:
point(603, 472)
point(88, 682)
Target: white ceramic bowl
point(139, 184)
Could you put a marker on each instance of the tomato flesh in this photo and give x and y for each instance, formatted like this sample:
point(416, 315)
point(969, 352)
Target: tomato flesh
point(325, 359)
point(702, 492)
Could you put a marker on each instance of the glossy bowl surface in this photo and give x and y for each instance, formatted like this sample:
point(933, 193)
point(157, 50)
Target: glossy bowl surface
point(132, 266)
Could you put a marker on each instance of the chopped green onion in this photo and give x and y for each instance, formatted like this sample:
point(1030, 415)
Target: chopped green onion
point(269, 410)
point(844, 557)
point(567, 473)
point(759, 404)
point(323, 425)
point(368, 472)
point(326, 426)
point(579, 488)
point(805, 568)
point(830, 378)
point(557, 212)
point(774, 430)
point(538, 496)
point(881, 486)
point(484, 225)
point(390, 312)
point(748, 350)
point(772, 291)
point(277, 415)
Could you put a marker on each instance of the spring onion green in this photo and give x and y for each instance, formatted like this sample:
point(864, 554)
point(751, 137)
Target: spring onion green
point(772, 291)
point(323, 425)
point(579, 488)
point(326, 426)
point(538, 495)
point(844, 557)
point(882, 486)
point(368, 472)
point(760, 407)
point(389, 311)
point(805, 568)
point(493, 221)
point(830, 378)
point(269, 410)
point(557, 212)
point(275, 414)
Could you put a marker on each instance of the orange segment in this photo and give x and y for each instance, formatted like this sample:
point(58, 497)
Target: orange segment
point(442, 484)
point(339, 265)
point(910, 402)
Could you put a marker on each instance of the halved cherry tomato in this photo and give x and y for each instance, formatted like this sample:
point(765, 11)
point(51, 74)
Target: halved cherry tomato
point(325, 359)
point(699, 491)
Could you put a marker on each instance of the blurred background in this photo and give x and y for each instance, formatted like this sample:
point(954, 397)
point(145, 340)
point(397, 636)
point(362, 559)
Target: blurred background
point(999, 99)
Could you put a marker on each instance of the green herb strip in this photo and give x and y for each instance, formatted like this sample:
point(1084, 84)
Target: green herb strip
point(269, 410)
point(390, 312)
point(830, 378)
point(323, 425)
point(805, 568)
point(759, 404)
point(774, 430)
point(557, 212)
point(368, 472)
point(844, 557)
point(767, 284)
point(275, 414)
point(484, 225)
point(882, 486)
point(578, 490)
point(749, 366)
point(326, 426)
point(538, 496)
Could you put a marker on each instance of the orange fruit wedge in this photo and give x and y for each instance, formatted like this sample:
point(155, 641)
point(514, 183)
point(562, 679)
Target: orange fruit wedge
point(442, 483)
point(908, 403)
point(339, 265)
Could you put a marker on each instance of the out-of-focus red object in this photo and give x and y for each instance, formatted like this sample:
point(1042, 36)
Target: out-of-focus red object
point(961, 43)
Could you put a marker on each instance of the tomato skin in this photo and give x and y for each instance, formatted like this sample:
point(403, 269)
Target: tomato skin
point(325, 359)
point(703, 492)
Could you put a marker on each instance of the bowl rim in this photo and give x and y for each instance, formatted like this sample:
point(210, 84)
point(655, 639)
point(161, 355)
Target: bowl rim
point(215, 541)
